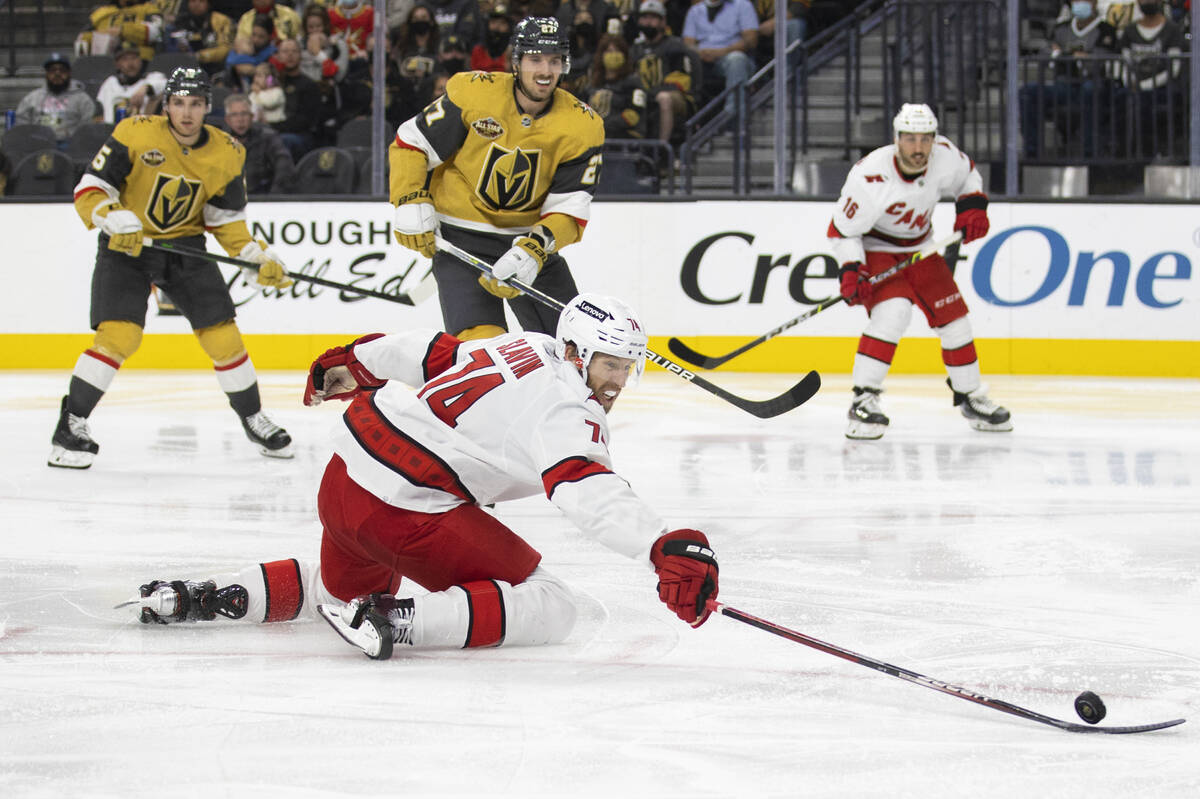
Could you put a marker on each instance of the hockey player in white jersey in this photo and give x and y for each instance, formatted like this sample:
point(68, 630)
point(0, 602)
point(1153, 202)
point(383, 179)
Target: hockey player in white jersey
point(883, 216)
point(403, 495)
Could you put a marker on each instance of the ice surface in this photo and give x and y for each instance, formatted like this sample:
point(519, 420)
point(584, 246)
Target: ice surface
point(1029, 566)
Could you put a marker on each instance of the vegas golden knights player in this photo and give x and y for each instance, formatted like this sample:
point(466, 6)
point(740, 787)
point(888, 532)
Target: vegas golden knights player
point(505, 165)
point(170, 178)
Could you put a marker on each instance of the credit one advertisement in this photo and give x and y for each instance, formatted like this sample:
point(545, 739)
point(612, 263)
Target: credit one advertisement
point(1045, 272)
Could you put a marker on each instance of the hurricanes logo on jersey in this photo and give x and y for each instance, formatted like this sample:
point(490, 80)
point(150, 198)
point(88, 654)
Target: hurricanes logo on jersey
point(172, 200)
point(508, 177)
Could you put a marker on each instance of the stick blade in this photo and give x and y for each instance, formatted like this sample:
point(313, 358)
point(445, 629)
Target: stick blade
point(685, 353)
point(794, 397)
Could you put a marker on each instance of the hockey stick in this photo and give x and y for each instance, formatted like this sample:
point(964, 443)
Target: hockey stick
point(421, 292)
point(928, 682)
point(794, 397)
point(686, 353)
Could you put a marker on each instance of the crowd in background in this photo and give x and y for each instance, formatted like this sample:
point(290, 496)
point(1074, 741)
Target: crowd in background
point(305, 67)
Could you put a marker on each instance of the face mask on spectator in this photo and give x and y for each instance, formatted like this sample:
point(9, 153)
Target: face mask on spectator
point(1150, 9)
point(420, 27)
point(1081, 9)
point(614, 59)
point(649, 31)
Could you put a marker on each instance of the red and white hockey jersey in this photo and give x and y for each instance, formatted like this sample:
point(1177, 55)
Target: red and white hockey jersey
point(883, 210)
point(491, 420)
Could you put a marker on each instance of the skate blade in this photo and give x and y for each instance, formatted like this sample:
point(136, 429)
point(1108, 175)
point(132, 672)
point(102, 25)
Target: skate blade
point(69, 458)
point(862, 431)
point(988, 427)
point(154, 603)
point(283, 453)
point(366, 637)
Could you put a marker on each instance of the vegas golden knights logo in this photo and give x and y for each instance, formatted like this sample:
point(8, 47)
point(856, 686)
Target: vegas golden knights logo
point(650, 68)
point(508, 178)
point(172, 200)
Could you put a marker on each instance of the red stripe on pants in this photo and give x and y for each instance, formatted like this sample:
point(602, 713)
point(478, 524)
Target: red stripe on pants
point(963, 356)
point(876, 348)
point(485, 609)
point(285, 592)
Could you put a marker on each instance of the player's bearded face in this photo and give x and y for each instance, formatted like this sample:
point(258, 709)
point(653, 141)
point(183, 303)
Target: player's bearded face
point(606, 376)
point(913, 150)
point(186, 114)
point(539, 74)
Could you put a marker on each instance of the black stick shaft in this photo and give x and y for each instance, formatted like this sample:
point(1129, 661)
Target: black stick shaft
point(920, 679)
point(402, 299)
point(690, 355)
point(763, 409)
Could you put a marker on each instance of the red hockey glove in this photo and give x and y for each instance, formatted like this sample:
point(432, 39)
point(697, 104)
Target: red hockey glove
point(687, 573)
point(972, 216)
point(855, 286)
point(317, 389)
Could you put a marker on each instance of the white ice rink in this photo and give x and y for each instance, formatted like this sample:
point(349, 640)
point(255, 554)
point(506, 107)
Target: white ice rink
point(1028, 566)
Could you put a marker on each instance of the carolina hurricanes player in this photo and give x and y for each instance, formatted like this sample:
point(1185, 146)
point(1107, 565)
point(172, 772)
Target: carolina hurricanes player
point(491, 420)
point(884, 215)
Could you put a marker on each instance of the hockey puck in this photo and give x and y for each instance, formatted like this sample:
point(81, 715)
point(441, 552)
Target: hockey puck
point(1090, 708)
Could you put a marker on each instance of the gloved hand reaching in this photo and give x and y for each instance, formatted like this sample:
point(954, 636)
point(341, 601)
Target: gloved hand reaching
point(855, 287)
point(337, 374)
point(687, 573)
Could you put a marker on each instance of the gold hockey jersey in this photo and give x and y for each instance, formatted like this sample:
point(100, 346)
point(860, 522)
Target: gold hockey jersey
point(175, 190)
point(494, 168)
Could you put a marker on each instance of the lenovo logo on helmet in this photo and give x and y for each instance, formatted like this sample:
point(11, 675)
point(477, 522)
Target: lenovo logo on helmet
point(593, 311)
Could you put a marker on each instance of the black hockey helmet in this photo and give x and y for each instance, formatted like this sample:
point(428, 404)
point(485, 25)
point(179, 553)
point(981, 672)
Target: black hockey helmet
point(189, 81)
point(540, 35)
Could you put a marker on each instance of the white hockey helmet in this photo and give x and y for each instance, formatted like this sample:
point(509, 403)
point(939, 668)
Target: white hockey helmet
point(596, 323)
point(915, 118)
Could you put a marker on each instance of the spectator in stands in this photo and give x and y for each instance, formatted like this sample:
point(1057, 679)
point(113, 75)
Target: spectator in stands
point(131, 87)
point(205, 33)
point(62, 104)
point(355, 21)
point(285, 24)
point(269, 166)
point(595, 19)
point(670, 71)
point(452, 54)
point(492, 54)
point(797, 26)
point(324, 56)
point(583, 38)
point(1079, 95)
point(460, 18)
point(414, 61)
point(1152, 47)
point(302, 106)
point(616, 90)
point(266, 95)
point(123, 22)
point(724, 33)
point(242, 61)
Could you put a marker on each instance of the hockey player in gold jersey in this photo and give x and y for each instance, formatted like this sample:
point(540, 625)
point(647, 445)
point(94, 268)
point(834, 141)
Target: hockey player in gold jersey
point(504, 166)
point(169, 178)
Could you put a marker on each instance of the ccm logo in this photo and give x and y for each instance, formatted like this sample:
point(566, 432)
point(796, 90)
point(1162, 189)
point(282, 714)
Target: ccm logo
point(947, 300)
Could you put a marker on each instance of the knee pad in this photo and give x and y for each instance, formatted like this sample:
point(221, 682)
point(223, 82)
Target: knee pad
point(222, 342)
point(481, 331)
point(955, 334)
point(118, 339)
point(889, 319)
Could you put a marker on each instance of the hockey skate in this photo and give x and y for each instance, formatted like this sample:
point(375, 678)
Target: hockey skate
point(373, 623)
point(72, 446)
point(867, 421)
point(981, 412)
point(272, 440)
point(183, 600)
